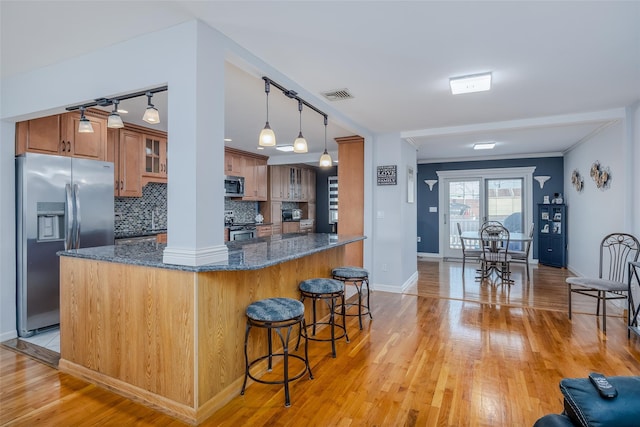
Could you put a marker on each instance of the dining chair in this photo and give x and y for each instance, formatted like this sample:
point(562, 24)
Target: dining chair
point(475, 254)
point(616, 251)
point(523, 256)
point(494, 238)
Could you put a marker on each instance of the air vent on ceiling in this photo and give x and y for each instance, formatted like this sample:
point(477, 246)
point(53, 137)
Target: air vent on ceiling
point(337, 95)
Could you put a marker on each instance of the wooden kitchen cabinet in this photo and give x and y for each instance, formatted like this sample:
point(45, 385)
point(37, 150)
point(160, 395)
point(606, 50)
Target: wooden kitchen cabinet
point(124, 150)
point(155, 158)
point(233, 163)
point(39, 135)
point(84, 145)
point(290, 227)
point(275, 217)
point(279, 182)
point(306, 226)
point(58, 135)
point(255, 179)
point(311, 185)
point(264, 230)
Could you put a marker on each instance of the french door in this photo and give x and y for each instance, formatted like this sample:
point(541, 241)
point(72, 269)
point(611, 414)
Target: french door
point(471, 197)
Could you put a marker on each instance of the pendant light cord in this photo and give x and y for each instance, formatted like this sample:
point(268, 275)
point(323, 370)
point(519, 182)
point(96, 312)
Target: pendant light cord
point(267, 89)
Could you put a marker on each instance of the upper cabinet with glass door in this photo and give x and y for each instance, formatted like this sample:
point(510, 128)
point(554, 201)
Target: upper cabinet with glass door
point(155, 158)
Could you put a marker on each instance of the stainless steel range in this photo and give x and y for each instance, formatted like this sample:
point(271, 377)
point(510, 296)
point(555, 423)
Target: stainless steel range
point(242, 231)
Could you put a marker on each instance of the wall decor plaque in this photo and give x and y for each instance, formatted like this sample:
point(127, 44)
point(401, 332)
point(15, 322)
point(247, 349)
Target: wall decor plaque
point(388, 175)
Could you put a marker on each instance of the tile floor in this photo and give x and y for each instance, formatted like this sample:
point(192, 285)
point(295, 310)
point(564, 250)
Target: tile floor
point(49, 339)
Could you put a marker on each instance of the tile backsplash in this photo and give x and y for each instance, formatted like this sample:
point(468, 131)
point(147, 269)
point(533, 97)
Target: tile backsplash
point(134, 215)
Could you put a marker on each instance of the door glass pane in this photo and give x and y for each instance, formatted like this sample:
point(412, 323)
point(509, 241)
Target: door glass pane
point(464, 208)
point(505, 204)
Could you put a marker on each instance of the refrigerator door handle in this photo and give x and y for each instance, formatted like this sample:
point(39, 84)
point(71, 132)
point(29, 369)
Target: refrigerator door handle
point(69, 218)
point(76, 195)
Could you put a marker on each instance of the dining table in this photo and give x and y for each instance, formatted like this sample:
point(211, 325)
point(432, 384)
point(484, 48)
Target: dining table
point(493, 261)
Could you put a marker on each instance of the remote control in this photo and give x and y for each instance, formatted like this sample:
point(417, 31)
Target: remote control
point(604, 387)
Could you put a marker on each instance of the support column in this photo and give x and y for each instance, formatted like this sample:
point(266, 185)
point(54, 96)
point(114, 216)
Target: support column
point(195, 191)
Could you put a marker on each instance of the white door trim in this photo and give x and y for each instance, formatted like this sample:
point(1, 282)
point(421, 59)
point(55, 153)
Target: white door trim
point(526, 173)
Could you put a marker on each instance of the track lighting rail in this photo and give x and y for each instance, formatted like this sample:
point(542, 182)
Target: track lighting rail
point(105, 102)
point(293, 95)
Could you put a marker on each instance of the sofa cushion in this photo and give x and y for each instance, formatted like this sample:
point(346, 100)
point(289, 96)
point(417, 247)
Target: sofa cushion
point(584, 405)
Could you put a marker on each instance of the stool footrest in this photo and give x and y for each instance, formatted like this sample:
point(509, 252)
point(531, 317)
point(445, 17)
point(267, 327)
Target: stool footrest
point(366, 310)
point(295, 377)
point(337, 337)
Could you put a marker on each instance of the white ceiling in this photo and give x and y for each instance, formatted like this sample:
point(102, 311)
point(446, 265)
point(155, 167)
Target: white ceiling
point(561, 70)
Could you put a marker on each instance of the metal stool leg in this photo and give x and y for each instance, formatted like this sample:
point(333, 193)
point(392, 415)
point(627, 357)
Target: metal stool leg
point(246, 358)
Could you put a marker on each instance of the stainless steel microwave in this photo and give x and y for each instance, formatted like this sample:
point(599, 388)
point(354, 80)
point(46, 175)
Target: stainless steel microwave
point(233, 186)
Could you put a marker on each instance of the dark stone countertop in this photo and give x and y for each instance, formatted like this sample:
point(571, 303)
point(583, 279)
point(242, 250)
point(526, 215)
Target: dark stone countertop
point(143, 233)
point(251, 254)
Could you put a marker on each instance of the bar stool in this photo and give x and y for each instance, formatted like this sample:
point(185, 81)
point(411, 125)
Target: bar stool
point(359, 277)
point(274, 314)
point(327, 290)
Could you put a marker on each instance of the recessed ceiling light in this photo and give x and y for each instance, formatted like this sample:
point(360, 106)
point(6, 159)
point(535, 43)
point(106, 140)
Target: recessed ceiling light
point(469, 84)
point(285, 147)
point(228, 140)
point(484, 145)
point(260, 148)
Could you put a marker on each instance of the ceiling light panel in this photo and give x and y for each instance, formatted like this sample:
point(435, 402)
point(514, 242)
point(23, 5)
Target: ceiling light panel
point(470, 84)
point(484, 146)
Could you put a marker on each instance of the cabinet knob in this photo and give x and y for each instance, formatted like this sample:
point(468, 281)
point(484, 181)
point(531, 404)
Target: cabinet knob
point(121, 185)
point(68, 146)
point(63, 146)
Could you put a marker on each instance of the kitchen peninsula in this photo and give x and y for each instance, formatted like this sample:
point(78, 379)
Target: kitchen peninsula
point(172, 336)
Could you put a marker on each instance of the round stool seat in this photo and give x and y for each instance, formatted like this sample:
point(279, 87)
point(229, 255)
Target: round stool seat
point(350, 272)
point(275, 309)
point(277, 315)
point(321, 286)
point(359, 277)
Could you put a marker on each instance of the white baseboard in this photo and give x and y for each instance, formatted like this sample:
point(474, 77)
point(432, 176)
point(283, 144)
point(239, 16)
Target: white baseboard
point(429, 255)
point(9, 335)
point(395, 289)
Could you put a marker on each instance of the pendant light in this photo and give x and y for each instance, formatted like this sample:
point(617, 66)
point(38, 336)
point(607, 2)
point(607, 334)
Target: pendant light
point(84, 126)
point(151, 115)
point(115, 121)
point(325, 159)
point(300, 144)
point(267, 136)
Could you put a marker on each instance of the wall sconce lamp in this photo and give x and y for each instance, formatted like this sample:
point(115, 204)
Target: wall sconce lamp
point(542, 179)
point(430, 183)
point(325, 159)
point(151, 114)
point(84, 126)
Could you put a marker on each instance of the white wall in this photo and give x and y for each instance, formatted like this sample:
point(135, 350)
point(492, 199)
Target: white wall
point(594, 212)
point(7, 233)
point(634, 191)
point(394, 219)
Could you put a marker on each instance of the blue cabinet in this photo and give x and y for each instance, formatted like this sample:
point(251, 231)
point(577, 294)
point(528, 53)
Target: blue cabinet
point(552, 235)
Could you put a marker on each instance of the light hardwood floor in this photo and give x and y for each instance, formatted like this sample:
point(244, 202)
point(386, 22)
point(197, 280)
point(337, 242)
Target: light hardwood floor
point(449, 352)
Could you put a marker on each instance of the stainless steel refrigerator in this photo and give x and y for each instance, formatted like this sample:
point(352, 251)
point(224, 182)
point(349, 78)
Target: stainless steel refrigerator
point(62, 203)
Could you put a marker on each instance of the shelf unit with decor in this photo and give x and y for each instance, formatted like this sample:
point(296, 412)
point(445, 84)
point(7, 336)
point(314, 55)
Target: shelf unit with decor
point(552, 234)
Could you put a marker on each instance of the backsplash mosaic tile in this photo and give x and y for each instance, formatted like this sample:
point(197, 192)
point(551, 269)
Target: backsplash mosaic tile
point(242, 211)
point(137, 215)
